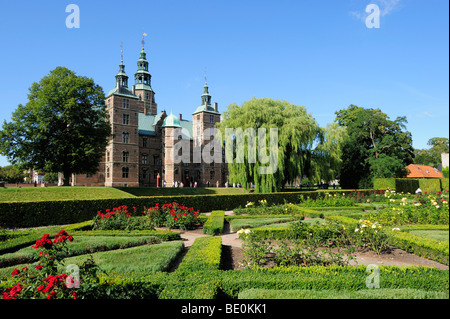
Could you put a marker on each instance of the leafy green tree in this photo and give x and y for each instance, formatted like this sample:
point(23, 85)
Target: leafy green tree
point(12, 174)
point(50, 177)
point(327, 155)
point(297, 132)
point(432, 156)
point(62, 128)
point(376, 146)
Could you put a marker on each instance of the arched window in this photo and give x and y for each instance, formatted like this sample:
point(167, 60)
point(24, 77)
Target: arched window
point(125, 171)
point(125, 156)
point(125, 137)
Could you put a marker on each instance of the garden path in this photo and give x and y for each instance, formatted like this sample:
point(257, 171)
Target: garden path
point(233, 247)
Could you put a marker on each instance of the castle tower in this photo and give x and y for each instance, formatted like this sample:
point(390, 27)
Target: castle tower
point(142, 86)
point(171, 135)
point(121, 157)
point(204, 117)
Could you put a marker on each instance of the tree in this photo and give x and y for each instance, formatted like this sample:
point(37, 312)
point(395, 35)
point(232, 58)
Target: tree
point(12, 174)
point(62, 128)
point(297, 132)
point(432, 156)
point(327, 155)
point(376, 146)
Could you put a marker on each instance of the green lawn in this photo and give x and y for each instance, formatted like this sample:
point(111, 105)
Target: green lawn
point(140, 260)
point(80, 245)
point(25, 194)
point(137, 261)
point(441, 235)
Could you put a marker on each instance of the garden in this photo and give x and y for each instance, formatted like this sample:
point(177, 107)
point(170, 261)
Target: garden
point(359, 244)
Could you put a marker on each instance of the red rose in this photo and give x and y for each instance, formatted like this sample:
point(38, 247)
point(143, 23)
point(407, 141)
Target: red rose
point(15, 272)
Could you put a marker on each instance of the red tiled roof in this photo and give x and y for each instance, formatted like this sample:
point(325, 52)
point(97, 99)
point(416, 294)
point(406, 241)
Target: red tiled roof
point(423, 171)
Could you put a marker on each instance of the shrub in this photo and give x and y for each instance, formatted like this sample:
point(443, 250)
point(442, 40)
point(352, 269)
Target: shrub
point(45, 281)
point(444, 184)
point(430, 185)
point(384, 183)
point(406, 185)
point(204, 254)
point(172, 215)
point(119, 218)
point(215, 223)
point(328, 200)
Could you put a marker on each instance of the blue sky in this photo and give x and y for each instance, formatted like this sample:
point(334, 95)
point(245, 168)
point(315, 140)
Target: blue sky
point(319, 54)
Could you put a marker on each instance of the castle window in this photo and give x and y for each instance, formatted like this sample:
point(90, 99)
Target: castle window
point(176, 171)
point(211, 119)
point(125, 171)
point(126, 103)
point(147, 96)
point(144, 158)
point(212, 175)
point(107, 172)
point(144, 142)
point(144, 174)
point(108, 155)
point(199, 175)
point(125, 156)
point(125, 119)
point(125, 137)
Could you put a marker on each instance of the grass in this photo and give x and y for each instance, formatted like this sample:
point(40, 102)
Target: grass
point(80, 245)
point(441, 235)
point(135, 261)
point(29, 194)
point(382, 293)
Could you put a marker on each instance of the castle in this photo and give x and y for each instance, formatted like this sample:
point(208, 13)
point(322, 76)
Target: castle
point(142, 139)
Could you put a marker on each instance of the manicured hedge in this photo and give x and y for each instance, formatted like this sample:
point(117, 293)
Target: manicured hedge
point(444, 184)
point(384, 183)
point(186, 282)
point(430, 185)
point(43, 213)
point(349, 278)
point(420, 246)
point(215, 223)
point(410, 185)
point(402, 293)
point(406, 185)
point(213, 283)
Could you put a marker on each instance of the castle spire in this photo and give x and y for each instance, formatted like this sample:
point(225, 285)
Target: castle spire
point(121, 77)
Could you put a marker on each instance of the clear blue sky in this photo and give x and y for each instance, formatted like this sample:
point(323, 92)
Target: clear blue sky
point(318, 54)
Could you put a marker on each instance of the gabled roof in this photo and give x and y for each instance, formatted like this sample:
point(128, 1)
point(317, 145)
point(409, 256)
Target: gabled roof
point(423, 171)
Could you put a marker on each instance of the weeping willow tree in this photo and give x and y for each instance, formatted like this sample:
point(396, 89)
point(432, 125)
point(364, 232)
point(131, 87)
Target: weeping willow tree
point(327, 155)
point(297, 132)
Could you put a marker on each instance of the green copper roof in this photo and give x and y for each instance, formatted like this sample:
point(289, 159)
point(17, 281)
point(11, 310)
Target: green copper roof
point(205, 108)
point(122, 91)
point(171, 121)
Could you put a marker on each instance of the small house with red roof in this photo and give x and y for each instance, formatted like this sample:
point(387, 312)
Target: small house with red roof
point(423, 171)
